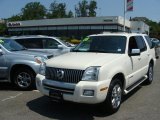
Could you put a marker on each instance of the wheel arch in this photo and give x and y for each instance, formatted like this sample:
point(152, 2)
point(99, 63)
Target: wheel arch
point(152, 62)
point(121, 77)
point(19, 66)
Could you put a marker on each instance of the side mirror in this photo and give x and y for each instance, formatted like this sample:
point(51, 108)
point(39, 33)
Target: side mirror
point(60, 46)
point(1, 52)
point(134, 52)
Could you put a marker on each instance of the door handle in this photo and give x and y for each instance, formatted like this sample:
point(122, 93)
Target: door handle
point(148, 54)
point(139, 58)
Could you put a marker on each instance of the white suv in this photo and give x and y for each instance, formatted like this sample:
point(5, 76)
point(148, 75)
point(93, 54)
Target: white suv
point(100, 69)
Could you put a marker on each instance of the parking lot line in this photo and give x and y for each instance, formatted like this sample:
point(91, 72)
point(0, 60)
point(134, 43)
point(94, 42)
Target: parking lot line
point(11, 97)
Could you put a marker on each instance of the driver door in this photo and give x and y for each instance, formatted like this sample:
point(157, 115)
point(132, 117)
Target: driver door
point(3, 67)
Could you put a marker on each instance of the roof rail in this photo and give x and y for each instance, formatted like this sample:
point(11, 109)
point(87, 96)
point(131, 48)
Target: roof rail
point(116, 32)
point(29, 36)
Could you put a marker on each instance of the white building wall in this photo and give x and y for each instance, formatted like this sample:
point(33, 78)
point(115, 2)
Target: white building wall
point(139, 26)
point(121, 21)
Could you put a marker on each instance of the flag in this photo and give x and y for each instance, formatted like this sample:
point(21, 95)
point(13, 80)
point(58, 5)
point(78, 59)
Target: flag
point(129, 5)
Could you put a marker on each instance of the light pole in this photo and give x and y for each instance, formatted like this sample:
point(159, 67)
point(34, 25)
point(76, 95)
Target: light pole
point(124, 21)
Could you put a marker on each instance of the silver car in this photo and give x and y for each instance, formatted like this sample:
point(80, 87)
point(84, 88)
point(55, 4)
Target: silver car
point(48, 44)
point(19, 65)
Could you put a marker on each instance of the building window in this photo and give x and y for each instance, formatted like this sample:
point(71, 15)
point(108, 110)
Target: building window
point(72, 27)
point(97, 27)
point(62, 28)
point(109, 27)
point(84, 27)
point(52, 28)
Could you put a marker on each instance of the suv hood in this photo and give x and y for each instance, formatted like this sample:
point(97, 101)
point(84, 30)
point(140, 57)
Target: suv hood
point(82, 60)
point(35, 53)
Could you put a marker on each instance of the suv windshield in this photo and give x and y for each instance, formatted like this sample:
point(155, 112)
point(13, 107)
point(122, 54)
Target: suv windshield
point(102, 44)
point(11, 45)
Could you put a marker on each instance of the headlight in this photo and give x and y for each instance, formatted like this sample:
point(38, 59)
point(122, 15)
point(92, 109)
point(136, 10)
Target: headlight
point(91, 73)
point(42, 69)
point(40, 60)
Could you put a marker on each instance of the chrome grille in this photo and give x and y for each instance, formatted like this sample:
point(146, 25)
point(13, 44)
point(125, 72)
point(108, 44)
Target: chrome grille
point(70, 75)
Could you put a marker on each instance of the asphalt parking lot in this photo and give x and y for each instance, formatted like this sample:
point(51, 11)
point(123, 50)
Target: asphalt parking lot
point(140, 104)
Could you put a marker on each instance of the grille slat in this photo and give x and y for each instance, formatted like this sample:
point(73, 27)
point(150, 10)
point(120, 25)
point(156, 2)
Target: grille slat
point(70, 75)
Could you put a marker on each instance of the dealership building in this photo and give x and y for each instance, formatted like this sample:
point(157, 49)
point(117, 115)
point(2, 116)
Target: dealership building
point(75, 27)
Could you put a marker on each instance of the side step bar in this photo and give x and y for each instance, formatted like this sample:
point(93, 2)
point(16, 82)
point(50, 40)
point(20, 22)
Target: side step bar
point(130, 88)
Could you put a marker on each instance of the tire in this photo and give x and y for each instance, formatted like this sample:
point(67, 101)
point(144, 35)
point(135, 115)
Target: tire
point(149, 74)
point(24, 79)
point(114, 96)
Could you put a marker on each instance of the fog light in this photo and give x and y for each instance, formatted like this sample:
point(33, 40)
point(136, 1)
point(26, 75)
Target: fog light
point(88, 92)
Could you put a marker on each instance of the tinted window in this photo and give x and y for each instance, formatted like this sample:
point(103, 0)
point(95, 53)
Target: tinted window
point(149, 41)
point(132, 44)
point(51, 44)
point(141, 43)
point(32, 43)
point(137, 42)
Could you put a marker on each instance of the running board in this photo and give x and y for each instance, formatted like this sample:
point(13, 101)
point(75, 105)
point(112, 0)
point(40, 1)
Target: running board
point(130, 88)
point(4, 81)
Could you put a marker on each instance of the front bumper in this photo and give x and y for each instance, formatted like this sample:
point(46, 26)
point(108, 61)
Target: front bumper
point(75, 92)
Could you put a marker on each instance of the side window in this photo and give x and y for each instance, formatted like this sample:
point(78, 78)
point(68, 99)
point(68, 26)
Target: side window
point(51, 44)
point(32, 43)
point(149, 41)
point(141, 43)
point(21, 41)
point(132, 44)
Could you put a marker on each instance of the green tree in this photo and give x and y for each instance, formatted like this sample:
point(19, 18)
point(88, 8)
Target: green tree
point(85, 9)
point(82, 9)
point(154, 28)
point(92, 8)
point(15, 18)
point(33, 10)
point(3, 29)
point(70, 14)
point(57, 10)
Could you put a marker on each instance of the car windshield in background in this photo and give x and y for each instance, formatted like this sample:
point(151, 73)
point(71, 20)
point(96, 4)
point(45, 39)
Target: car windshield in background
point(102, 44)
point(11, 45)
point(65, 43)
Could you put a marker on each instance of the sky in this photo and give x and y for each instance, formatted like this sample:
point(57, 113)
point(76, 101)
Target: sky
point(142, 8)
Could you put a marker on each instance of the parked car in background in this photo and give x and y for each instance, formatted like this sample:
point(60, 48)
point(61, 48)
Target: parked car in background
point(19, 65)
point(48, 44)
point(156, 43)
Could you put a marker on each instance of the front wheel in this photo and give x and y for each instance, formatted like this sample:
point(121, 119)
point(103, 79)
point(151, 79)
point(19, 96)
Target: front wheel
point(24, 79)
point(114, 96)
